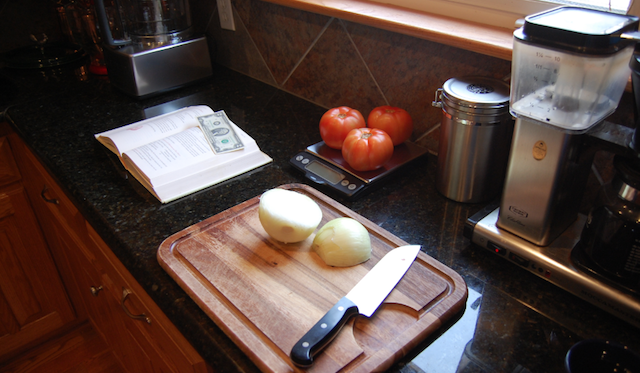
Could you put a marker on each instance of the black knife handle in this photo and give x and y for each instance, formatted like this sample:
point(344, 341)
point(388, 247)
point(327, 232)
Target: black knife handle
point(323, 332)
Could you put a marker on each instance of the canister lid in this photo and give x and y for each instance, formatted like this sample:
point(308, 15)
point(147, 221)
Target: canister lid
point(578, 30)
point(476, 94)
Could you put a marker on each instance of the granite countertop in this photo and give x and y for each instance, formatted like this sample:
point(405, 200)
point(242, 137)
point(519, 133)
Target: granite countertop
point(513, 320)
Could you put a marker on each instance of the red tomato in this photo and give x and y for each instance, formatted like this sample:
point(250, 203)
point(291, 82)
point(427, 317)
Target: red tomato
point(396, 122)
point(336, 123)
point(367, 149)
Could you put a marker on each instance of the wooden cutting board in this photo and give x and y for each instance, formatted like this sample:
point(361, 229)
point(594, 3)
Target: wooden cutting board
point(265, 295)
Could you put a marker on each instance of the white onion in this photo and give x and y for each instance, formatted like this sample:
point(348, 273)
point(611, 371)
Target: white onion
point(288, 216)
point(343, 242)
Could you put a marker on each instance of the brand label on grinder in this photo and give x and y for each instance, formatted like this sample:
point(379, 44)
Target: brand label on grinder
point(539, 150)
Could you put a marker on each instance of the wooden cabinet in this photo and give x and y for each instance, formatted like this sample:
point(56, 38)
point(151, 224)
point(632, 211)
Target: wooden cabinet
point(140, 334)
point(33, 301)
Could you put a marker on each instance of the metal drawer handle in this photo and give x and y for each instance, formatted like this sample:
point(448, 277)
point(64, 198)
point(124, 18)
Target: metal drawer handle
point(95, 290)
point(142, 316)
point(49, 200)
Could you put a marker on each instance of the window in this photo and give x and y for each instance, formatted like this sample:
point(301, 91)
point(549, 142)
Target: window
point(505, 13)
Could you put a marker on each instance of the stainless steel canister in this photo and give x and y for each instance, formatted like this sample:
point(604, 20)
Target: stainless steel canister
point(475, 137)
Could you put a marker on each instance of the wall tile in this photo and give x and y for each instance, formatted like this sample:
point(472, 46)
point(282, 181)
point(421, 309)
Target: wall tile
point(282, 35)
point(236, 50)
point(334, 74)
point(430, 139)
point(332, 62)
point(409, 70)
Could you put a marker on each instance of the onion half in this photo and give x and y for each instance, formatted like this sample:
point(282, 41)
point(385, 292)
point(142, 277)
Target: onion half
point(343, 242)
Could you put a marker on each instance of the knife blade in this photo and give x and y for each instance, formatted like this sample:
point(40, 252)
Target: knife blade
point(364, 299)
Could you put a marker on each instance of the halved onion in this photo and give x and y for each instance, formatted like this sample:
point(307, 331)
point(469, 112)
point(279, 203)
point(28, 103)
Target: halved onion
point(288, 216)
point(343, 242)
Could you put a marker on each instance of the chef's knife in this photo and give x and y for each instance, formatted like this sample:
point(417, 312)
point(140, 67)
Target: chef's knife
point(363, 299)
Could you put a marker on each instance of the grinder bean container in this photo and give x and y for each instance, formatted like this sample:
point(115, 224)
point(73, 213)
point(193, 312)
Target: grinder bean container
point(475, 138)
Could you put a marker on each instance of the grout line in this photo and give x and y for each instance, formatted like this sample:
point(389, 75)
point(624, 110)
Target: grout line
point(434, 152)
point(239, 20)
point(428, 132)
point(364, 63)
point(304, 55)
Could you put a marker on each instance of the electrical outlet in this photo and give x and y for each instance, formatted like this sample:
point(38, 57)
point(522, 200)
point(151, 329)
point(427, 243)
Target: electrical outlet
point(226, 15)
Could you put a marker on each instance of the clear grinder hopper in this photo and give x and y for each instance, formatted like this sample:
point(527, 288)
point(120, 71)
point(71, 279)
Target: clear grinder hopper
point(569, 69)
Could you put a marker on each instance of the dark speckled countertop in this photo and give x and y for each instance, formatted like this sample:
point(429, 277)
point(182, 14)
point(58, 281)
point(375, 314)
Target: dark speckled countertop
point(513, 320)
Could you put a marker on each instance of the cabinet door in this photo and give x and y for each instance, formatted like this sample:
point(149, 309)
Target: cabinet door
point(145, 322)
point(106, 315)
point(55, 215)
point(8, 169)
point(87, 261)
point(33, 301)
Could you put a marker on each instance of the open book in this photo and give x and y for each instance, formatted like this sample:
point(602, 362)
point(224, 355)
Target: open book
point(170, 156)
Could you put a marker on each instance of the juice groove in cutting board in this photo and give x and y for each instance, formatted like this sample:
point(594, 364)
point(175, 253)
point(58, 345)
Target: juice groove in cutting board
point(265, 294)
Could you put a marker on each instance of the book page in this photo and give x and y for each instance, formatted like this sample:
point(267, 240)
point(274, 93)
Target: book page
point(209, 176)
point(168, 172)
point(184, 162)
point(177, 152)
point(123, 139)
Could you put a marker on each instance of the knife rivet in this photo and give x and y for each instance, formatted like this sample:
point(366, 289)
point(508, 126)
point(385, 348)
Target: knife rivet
point(305, 344)
point(340, 308)
point(323, 326)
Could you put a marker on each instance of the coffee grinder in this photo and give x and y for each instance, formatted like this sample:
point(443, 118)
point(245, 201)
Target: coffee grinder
point(570, 67)
point(150, 46)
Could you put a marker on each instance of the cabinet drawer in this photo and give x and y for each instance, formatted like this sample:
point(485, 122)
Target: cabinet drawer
point(146, 323)
point(98, 295)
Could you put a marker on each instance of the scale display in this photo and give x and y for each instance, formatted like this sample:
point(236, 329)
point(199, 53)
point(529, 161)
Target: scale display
point(325, 166)
point(317, 168)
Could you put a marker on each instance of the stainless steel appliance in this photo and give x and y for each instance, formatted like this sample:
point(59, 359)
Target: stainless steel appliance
point(150, 46)
point(475, 134)
point(569, 70)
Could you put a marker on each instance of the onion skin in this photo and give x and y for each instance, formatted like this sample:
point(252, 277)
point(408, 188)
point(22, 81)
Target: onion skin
point(343, 242)
point(288, 216)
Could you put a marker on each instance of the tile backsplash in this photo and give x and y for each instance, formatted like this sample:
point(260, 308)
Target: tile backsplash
point(326, 60)
point(333, 62)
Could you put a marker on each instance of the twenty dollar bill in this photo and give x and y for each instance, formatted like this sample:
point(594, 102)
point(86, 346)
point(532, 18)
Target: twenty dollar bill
point(219, 132)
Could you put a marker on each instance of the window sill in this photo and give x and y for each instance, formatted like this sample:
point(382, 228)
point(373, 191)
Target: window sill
point(475, 37)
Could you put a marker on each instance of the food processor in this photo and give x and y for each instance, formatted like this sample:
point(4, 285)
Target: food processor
point(150, 46)
point(570, 68)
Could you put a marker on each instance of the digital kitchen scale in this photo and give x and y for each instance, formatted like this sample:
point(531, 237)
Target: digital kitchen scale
point(326, 166)
point(557, 263)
